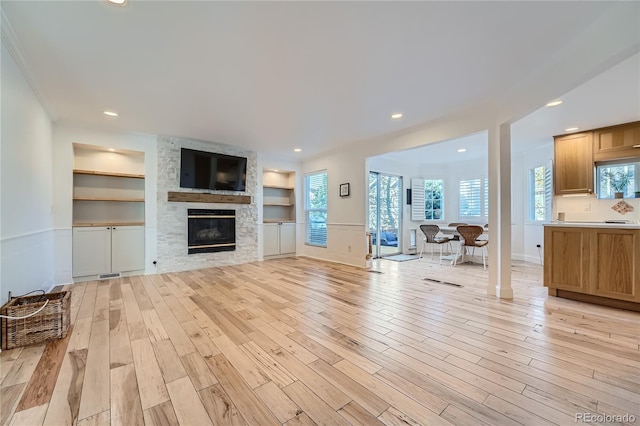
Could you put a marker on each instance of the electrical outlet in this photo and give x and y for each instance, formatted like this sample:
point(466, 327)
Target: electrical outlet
point(538, 245)
point(349, 249)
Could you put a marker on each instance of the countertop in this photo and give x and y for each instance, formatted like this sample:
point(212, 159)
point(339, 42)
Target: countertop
point(578, 224)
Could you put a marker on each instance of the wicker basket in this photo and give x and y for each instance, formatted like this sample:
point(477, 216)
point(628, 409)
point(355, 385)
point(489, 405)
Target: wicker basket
point(50, 323)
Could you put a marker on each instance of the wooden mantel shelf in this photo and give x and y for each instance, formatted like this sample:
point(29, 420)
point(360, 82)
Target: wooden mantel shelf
point(195, 197)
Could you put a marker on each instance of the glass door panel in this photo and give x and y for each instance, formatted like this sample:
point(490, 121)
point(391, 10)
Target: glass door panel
point(385, 213)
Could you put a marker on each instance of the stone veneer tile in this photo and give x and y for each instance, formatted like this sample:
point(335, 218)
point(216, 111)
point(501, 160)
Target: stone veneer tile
point(172, 216)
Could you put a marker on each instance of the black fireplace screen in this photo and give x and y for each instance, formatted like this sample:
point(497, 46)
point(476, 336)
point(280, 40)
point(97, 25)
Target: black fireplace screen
point(211, 230)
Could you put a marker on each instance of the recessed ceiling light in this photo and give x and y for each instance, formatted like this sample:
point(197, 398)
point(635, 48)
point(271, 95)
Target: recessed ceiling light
point(571, 129)
point(112, 150)
point(396, 115)
point(297, 150)
point(554, 103)
point(276, 170)
point(462, 150)
point(118, 2)
point(110, 113)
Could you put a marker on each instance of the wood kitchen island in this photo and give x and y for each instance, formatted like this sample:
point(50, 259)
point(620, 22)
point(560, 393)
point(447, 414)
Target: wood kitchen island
point(593, 262)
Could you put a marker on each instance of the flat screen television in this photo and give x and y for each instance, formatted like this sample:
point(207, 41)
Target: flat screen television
point(208, 170)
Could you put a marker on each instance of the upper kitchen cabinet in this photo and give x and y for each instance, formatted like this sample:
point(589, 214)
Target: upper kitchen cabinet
point(573, 166)
point(617, 142)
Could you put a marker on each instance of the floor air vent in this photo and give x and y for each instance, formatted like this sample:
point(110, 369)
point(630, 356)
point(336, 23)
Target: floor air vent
point(442, 282)
point(107, 276)
point(375, 272)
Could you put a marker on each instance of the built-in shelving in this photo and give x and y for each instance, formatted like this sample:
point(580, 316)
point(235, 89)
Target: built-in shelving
point(108, 211)
point(278, 197)
point(278, 213)
point(112, 174)
point(80, 224)
point(108, 187)
point(121, 199)
point(277, 187)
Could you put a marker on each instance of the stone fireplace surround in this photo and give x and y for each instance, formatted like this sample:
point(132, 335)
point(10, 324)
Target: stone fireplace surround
point(172, 216)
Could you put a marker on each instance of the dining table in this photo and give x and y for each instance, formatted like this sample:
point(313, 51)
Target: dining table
point(460, 254)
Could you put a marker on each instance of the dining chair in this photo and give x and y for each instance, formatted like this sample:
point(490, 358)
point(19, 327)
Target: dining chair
point(453, 225)
point(430, 237)
point(469, 238)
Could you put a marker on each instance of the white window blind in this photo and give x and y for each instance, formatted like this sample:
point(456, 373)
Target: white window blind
point(417, 199)
point(485, 213)
point(470, 206)
point(316, 209)
point(540, 193)
point(548, 192)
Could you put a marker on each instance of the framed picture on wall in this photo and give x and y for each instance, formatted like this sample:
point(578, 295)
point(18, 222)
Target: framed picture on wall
point(344, 189)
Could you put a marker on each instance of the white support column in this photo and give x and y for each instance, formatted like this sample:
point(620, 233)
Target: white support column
point(500, 211)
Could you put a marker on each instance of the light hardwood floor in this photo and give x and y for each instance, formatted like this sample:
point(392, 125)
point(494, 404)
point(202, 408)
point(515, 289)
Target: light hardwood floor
point(300, 342)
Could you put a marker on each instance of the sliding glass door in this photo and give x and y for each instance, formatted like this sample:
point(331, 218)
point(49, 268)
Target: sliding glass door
point(385, 213)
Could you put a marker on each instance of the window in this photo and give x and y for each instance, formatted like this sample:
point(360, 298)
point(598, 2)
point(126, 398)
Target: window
point(470, 206)
point(474, 200)
point(316, 208)
point(616, 176)
point(433, 199)
point(540, 193)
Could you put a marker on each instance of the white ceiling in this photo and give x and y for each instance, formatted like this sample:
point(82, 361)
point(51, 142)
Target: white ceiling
point(271, 76)
point(612, 97)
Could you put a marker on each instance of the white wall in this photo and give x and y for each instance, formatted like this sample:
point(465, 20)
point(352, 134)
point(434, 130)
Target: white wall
point(64, 136)
point(26, 224)
point(527, 234)
point(346, 233)
point(347, 216)
point(590, 208)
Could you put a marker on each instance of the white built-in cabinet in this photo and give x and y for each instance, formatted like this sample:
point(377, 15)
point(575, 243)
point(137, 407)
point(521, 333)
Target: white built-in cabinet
point(279, 213)
point(279, 238)
point(99, 250)
point(108, 211)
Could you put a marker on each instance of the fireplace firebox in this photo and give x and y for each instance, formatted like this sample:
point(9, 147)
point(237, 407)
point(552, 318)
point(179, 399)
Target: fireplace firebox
point(211, 230)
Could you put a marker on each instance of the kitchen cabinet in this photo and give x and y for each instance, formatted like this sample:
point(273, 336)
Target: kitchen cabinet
point(617, 142)
point(107, 249)
point(599, 264)
point(573, 164)
point(279, 239)
point(615, 263)
point(566, 258)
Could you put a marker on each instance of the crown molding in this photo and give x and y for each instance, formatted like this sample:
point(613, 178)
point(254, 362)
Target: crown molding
point(10, 40)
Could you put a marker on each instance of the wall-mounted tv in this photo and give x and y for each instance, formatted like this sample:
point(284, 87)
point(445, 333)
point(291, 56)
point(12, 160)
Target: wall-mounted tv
point(208, 170)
